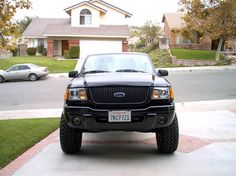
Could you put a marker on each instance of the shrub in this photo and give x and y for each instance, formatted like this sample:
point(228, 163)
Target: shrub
point(161, 58)
point(40, 48)
point(74, 52)
point(31, 51)
point(224, 60)
point(66, 54)
point(14, 51)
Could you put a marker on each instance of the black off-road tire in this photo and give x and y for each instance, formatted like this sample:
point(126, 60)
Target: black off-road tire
point(2, 79)
point(168, 138)
point(70, 138)
point(33, 77)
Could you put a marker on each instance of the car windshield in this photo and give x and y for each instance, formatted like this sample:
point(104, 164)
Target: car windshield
point(117, 63)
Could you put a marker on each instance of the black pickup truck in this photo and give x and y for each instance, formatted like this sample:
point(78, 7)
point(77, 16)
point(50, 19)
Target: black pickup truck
point(119, 92)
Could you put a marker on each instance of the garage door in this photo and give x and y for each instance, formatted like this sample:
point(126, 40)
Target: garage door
point(88, 47)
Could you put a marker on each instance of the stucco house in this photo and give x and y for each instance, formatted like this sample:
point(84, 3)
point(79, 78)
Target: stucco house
point(95, 25)
point(173, 22)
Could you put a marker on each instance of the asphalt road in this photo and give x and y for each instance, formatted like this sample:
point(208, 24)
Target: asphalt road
point(203, 85)
point(188, 86)
point(45, 93)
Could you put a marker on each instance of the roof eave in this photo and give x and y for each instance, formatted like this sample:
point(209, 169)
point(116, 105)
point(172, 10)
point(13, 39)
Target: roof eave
point(86, 36)
point(33, 36)
point(114, 7)
point(68, 10)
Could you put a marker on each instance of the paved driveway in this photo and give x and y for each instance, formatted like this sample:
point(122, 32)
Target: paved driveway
point(207, 147)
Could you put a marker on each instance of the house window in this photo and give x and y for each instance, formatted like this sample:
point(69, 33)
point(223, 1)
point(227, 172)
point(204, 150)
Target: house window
point(85, 17)
point(177, 39)
point(40, 42)
point(186, 40)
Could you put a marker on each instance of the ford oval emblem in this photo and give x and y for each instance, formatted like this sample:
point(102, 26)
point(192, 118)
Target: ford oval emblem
point(119, 94)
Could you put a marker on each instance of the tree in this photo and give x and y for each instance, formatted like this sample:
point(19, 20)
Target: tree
point(151, 32)
point(8, 28)
point(148, 34)
point(24, 23)
point(216, 18)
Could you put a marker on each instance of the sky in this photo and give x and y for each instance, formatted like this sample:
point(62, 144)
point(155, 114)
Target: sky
point(142, 10)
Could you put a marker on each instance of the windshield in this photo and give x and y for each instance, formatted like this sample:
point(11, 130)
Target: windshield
point(117, 63)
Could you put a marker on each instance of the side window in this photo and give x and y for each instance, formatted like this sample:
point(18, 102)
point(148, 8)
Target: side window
point(15, 68)
point(24, 67)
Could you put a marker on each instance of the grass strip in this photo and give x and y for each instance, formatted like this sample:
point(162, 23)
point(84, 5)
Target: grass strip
point(18, 135)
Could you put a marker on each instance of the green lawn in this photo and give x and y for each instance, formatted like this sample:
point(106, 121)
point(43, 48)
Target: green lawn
point(54, 66)
point(16, 136)
point(193, 54)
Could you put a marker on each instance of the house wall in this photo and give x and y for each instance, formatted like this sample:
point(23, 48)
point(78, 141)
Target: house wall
point(50, 48)
point(111, 17)
point(87, 45)
point(45, 43)
point(33, 42)
point(125, 46)
point(205, 43)
point(167, 32)
point(75, 17)
point(73, 43)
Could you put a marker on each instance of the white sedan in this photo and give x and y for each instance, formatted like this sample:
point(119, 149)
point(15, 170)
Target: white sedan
point(30, 72)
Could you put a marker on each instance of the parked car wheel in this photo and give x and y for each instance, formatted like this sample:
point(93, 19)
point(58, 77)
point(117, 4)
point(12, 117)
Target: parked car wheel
point(70, 138)
point(1, 79)
point(168, 138)
point(33, 77)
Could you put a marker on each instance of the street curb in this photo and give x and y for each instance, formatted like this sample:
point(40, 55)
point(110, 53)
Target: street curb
point(57, 75)
point(30, 113)
point(202, 68)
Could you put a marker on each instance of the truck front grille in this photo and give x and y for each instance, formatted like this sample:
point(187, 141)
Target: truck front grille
point(133, 95)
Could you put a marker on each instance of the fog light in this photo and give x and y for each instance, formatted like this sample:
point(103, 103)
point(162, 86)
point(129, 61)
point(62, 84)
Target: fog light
point(162, 120)
point(77, 121)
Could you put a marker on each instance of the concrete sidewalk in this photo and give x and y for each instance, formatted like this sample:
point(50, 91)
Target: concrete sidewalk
point(216, 105)
point(176, 69)
point(207, 147)
point(202, 68)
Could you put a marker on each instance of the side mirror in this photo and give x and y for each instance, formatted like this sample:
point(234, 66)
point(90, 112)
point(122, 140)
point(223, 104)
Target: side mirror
point(163, 72)
point(73, 74)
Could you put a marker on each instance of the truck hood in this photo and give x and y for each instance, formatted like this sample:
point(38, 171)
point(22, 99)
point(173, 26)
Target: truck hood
point(124, 79)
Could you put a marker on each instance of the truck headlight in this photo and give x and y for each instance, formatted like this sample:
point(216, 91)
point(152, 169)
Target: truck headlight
point(76, 94)
point(160, 93)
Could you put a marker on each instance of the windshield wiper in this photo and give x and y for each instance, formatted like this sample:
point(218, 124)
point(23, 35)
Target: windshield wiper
point(95, 71)
point(130, 70)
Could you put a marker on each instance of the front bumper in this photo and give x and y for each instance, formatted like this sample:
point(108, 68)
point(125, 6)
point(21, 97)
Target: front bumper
point(142, 120)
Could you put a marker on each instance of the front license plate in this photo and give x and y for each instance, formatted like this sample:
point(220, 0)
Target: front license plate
point(119, 116)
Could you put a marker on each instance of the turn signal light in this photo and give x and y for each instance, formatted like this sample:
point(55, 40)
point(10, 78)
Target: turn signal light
point(171, 93)
point(66, 96)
